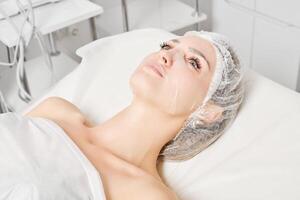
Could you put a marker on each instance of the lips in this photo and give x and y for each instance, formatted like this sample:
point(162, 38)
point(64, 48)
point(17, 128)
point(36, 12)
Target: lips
point(157, 69)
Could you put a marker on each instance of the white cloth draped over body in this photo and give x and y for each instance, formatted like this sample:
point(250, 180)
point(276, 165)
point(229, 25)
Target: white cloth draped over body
point(38, 161)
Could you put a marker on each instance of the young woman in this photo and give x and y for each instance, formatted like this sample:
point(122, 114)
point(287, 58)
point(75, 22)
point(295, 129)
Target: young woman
point(191, 84)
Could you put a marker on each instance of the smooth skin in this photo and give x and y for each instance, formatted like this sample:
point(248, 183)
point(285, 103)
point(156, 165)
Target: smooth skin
point(125, 148)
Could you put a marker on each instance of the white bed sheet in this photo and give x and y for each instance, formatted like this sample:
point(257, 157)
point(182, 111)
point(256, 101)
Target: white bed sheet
point(257, 158)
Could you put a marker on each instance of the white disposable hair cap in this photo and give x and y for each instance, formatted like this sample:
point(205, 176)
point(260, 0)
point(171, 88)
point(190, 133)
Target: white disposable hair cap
point(226, 91)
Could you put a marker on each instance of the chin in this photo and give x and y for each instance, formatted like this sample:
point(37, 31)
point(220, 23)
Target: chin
point(143, 85)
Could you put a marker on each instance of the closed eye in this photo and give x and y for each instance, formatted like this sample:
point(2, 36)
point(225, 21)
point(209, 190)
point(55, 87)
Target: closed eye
point(195, 62)
point(165, 46)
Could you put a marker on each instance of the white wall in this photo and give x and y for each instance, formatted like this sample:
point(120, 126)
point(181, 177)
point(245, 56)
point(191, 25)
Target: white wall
point(269, 48)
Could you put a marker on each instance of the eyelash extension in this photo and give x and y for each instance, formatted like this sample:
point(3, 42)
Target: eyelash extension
point(163, 45)
point(195, 59)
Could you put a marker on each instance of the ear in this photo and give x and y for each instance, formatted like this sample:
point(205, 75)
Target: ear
point(212, 113)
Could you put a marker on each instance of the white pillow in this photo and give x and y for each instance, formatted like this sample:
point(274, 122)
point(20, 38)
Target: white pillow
point(257, 158)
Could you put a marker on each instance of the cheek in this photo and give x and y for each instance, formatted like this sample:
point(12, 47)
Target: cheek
point(193, 95)
point(184, 91)
point(188, 94)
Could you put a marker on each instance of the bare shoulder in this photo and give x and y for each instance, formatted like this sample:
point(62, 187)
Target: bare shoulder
point(56, 102)
point(56, 108)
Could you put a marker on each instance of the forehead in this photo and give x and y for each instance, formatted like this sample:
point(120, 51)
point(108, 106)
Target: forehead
point(200, 44)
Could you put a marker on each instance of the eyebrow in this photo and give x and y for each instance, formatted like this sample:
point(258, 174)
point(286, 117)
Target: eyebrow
point(195, 51)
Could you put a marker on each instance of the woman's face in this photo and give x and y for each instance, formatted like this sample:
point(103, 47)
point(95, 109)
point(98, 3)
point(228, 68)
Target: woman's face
point(176, 78)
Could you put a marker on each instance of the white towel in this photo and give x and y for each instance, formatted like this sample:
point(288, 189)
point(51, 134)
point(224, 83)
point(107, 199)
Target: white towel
point(39, 161)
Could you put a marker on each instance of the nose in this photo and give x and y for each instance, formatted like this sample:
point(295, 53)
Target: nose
point(165, 59)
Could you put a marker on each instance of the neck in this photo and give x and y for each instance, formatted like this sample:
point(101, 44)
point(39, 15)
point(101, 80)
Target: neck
point(137, 134)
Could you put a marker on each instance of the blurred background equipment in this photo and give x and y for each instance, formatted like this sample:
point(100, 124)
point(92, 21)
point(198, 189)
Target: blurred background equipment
point(24, 25)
